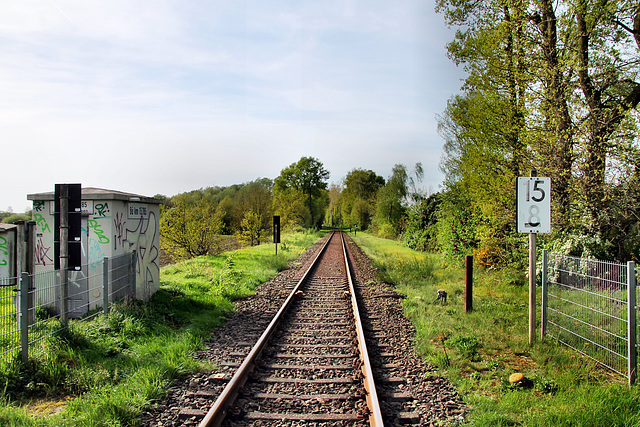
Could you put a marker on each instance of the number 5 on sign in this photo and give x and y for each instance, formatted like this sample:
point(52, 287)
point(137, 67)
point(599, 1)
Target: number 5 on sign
point(534, 205)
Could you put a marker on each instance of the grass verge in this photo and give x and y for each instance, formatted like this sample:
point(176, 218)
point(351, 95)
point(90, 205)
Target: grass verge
point(478, 351)
point(106, 371)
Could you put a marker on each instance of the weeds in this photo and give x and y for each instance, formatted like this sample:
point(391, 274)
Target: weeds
point(478, 351)
point(106, 371)
point(466, 345)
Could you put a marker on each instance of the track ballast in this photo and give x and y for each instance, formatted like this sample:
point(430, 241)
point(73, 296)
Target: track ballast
point(313, 372)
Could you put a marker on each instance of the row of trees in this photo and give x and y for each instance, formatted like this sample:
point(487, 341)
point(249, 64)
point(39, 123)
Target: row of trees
point(554, 87)
point(194, 223)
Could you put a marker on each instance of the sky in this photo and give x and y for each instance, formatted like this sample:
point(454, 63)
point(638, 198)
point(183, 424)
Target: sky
point(166, 96)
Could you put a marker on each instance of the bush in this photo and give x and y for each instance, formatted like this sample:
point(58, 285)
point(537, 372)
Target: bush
point(386, 231)
point(421, 231)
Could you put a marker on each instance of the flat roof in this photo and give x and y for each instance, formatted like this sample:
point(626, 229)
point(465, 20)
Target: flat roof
point(93, 193)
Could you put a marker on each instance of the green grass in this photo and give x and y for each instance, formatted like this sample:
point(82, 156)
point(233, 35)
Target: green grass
point(478, 351)
point(106, 371)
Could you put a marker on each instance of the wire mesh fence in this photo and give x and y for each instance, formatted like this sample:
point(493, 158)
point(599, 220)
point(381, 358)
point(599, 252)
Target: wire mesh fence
point(9, 337)
point(32, 306)
point(589, 305)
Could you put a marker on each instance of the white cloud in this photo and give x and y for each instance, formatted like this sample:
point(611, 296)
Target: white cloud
point(166, 96)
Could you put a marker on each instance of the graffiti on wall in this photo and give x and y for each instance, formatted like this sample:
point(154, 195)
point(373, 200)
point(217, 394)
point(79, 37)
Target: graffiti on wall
point(143, 237)
point(94, 252)
point(96, 228)
point(42, 222)
point(118, 229)
point(101, 210)
point(38, 206)
point(41, 253)
point(6, 247)
point(4, 251)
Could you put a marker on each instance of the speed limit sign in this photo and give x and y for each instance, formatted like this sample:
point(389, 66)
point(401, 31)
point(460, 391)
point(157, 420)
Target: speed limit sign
point(534, 205)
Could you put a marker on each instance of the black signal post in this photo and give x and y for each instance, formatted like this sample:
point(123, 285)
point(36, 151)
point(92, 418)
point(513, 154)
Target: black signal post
point(276, 231)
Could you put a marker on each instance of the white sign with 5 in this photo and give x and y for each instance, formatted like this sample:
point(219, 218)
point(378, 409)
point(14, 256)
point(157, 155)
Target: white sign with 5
point(534, 204)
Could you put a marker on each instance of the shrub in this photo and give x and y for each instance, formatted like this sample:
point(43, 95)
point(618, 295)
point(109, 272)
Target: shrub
point(386, 231)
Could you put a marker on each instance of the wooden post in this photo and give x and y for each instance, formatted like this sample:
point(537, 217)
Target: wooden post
point(532, 287)
point(532, 282)
point(468, 283)
point(544, 299)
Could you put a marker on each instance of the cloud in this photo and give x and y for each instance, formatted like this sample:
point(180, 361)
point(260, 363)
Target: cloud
point(166, 96)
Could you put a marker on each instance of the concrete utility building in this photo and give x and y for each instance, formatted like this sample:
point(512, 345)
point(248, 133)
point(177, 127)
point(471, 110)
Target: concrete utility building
point(113, 223)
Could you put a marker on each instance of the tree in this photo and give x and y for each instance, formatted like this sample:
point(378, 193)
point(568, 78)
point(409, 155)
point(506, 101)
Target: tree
point(551, 86)
point(422, 218)
point(251, 228)
point(309, 177)
point(333, 215)
point(225, 213)
point(358, 198)
point(607, 77)
point(290, 206)
point(189, 230)
point(256, 196)
point(392, 199)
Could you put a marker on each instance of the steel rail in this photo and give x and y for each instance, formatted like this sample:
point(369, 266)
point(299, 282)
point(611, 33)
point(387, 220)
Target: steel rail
point(375, 413)
point(218, 411)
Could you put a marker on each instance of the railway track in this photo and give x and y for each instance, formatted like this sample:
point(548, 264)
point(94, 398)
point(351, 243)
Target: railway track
point(312, 367)
point(311, 364)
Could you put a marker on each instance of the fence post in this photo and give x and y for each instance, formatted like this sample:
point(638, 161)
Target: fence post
point(24, 316)
point(631, 299)
point(468, 284)
point(105, 286)
point(545, 290)
point(133, 276)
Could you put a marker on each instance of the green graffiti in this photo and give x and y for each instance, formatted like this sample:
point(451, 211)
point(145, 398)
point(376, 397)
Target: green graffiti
point(42, 223)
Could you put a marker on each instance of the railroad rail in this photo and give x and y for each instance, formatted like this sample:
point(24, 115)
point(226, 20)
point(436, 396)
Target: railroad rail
point(311, 363)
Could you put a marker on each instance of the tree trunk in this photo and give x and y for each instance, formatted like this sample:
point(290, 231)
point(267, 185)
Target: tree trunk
point(561, 153)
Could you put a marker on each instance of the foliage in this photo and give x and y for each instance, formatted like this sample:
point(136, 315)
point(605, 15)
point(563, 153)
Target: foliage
point(109, 370)
point(395, 195)
point(358, 199)
point(421, 230)
point(457, 227)
point(290, 206)
point(251, 228)
point(189, 230)
point(333, 215)
point(309, 177)
point(553, 87)
point(12, 218)
point(257, 197)
point(483, 348)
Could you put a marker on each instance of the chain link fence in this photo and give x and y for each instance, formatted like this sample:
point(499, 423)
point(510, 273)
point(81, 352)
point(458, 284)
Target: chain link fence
point(590, 306)
point(32, 305)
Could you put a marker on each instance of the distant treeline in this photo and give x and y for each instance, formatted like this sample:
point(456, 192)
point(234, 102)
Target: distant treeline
point(192, 223)
point(11, 217)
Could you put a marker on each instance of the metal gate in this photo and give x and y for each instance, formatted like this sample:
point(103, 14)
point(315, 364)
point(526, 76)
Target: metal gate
point(590, 306)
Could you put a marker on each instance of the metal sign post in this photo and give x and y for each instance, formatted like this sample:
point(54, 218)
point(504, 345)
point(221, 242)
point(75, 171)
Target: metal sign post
point(533, 216)
point(276, 231)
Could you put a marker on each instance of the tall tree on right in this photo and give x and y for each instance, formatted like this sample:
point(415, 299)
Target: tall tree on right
point(552, 86)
